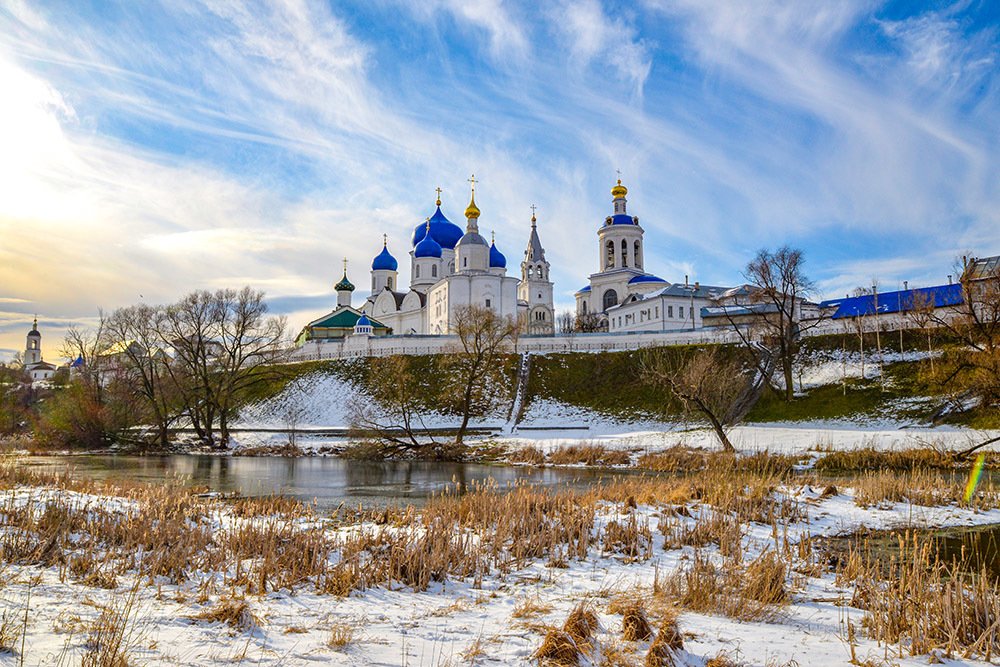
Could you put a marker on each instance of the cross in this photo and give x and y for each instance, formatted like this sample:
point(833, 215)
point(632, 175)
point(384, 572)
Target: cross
point(438, 190)
point(385, 240)
point(473, 181)
point(619, 172)
point(345, 266)
point(533, 207)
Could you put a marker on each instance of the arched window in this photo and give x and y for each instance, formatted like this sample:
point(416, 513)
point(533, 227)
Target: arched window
point(610, 259)
point(610, 299)
point(624, 253)
point(636, 260)
point(530, 273)
point(584, 307)
point(416, 271)
point(434, 271)
point(388, 282)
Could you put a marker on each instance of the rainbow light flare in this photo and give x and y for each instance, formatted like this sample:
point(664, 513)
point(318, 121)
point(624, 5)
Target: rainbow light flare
point(974, 476)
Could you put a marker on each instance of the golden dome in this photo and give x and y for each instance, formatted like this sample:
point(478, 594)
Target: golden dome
point(619, 190)
point(472, 211)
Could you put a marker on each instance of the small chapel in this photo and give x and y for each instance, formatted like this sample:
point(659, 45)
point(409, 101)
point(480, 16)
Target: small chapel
point(36, 368)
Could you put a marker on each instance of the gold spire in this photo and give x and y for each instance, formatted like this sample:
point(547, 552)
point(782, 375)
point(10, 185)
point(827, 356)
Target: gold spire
point(438, 190)
point(472, 211)
point(619, 190)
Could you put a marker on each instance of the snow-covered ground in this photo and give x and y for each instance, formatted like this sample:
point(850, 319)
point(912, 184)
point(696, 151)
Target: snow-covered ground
point(397, 626)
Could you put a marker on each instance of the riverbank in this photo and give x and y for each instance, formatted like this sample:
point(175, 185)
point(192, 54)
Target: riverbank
point(165, 577)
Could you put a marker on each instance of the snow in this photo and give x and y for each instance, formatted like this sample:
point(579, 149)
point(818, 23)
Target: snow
point(397, 626)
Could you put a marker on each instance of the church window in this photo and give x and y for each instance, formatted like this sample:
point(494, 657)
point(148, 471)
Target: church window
point(680, 312)
point(388, 282)
point(610, 299)
point(487, 303)
point(636, 262)
point(670, 311)
point(416, 271)
point(657, 315)
point(434, 271)
point(530, 273)
point(584, 307)
point(624, 253)
point(610, 259)
point(539, 295)
point(465, 262)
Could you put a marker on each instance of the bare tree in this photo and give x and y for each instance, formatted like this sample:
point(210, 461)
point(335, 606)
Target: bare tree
point(566, 322)
point(391, 413)
point(919, 308)
point(224, 344)
point(780, 286)
point(474, 370)
point(133, 335)
point(590, 323)
point(708, 382)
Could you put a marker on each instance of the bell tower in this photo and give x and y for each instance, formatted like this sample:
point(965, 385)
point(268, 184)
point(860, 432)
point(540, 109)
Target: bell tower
point(535, 287)
point(33, 345)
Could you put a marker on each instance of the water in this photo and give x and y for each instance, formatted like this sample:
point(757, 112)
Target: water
point(326, 481)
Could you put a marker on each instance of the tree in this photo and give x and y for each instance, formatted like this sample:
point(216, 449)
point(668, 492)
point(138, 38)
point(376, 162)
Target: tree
point(224, 344)
point(474, 370)
point(133, 333)
point(391, 411)
point(566, 322)
point(778, 288)
point(919, 307)
point(708, 382)
point(590, 323)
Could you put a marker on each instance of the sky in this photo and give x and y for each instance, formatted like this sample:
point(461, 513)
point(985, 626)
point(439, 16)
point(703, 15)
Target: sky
point(147, 149)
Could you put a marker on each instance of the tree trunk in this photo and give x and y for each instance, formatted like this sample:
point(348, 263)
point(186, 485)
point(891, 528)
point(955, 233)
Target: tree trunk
point(721, 432)
point(786, 367)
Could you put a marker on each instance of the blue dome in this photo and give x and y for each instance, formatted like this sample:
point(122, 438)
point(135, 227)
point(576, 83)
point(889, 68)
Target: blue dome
point(427, 247)
point(443, 230)
point(363, 321)
point(384, 261)
point(646, 279)
point(585, 289)
point(497, 260)
point(622, 219)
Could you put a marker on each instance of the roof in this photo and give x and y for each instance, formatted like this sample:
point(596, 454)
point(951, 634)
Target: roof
point(445, 232)
point(427, 247)
point(623, 219)
point(497, 260)
point(696, 290)
point(344, 284)
point(646, 279)
point(342, 318)
point(733, 310)
point(40, 365)
point(585, 288)
point(984, 267)
point(895, 302)
point(534, 251)
point(384, 261)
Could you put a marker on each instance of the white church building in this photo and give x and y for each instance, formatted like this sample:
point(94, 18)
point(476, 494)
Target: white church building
point(449, 268)
point(36, 368)
point(620, 261)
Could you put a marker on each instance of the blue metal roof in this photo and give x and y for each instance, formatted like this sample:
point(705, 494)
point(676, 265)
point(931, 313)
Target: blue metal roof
point(622, 219)
point(497, 260)
point(384, 261)
point(443, 230)
point(895, 302)
point(427, 247)
point(585, 289)
point(646, 279)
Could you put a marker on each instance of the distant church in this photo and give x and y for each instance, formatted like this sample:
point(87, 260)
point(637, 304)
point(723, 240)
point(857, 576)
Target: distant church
point(449, 269)
point(34, 366)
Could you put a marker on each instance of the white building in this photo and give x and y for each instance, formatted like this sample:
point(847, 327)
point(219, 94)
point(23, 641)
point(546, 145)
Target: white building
point(450, 269)
point(36, 368)
point(621, 271)
point(672, 308)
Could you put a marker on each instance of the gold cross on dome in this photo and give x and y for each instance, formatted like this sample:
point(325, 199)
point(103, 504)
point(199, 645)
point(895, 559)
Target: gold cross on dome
point(619, 172)
point(438, 190)
point(533, 207)
point(345, 266)
point(473, 181)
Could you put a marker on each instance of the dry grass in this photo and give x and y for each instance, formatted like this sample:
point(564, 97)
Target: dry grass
point(588, 454)
point(920, 602)
point(530, 455)
point(558, 649)
point(341, 635)
point(635, 623)
point(114, 636)
point(920, 487)
point(662, 652)
point(530, 606)
point(234, 612)
point(869, 458)
point(10, 631)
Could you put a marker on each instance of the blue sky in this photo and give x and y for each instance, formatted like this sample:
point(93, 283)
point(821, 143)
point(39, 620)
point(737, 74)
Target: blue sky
point(150, 149)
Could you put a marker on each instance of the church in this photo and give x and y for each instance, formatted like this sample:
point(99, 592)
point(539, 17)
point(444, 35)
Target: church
point(620, 277)
point(36, 368)
point(449, 269)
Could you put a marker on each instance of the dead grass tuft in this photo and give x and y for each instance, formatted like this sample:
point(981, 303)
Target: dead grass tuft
point(662, 652)
point(234, 612)
point(341, 635)
point(558, 649)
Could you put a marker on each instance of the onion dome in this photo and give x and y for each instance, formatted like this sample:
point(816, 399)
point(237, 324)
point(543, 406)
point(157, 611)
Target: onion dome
point(427, 246)
point(442, 230)
point(472, 211)
point(622, 219)
point(384, 261)
point(497, 260)
point(344, 285)
point(34, 329)
point(619, 190)
point(363, 321)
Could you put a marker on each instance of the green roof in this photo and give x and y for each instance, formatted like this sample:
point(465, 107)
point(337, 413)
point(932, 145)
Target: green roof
point(343, 319)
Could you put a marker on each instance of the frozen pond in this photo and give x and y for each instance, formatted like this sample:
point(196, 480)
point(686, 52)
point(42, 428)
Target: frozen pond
point(327, 481)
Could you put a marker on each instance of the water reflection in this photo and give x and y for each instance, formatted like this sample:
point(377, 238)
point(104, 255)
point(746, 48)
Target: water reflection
point(327, 481)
